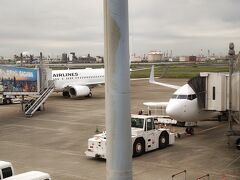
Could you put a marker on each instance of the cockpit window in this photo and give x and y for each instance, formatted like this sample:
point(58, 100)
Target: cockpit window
point(192, 97)
point(182, 96)
point(189, 97)
point(174, 96)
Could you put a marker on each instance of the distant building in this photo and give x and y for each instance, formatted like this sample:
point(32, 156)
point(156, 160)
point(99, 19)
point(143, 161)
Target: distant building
point(72, 57)
point(88, 59)
point(183, 58)
point(155, 56)
point(187, 58)
point(201, 58)
point(192, 58)
point(85, 59)
point(134, 58)
point(99, 59)
point(64, 58)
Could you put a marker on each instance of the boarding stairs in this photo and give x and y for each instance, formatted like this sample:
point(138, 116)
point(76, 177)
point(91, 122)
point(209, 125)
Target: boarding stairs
point(33, 105)
point(236, 117)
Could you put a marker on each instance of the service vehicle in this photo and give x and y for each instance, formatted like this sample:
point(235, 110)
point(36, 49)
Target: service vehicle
point(31, 175)
point(6, 99)
point(6, 169)
point(145, 137)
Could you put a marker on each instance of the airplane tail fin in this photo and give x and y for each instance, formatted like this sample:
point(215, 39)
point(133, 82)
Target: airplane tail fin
point(151, 78)
point(152, 81)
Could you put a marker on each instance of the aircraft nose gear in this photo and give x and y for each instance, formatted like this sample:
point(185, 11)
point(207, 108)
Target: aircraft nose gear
point(90, 94)
point(238, 144)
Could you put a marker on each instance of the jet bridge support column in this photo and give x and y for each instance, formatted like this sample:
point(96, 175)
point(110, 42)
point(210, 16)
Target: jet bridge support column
point(118, 123)
point(231, 54)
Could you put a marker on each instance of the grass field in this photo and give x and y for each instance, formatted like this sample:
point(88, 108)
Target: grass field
point(179, 70)
point(171, 70)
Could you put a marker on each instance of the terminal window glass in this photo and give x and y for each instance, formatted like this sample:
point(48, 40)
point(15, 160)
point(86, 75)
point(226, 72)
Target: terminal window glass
point(137, 122)
point(7, 172)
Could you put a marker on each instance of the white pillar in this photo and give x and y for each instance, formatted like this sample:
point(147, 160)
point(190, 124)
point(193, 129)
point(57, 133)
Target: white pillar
point(117, 90)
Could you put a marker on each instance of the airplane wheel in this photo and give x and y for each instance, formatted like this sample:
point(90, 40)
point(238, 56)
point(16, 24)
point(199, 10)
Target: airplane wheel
point(190, 130)
point(163, 140)
point(238, 143)
point(8, 101)
point(4, 101)
point(90, 94)
point(138, 147)
point(66, 94)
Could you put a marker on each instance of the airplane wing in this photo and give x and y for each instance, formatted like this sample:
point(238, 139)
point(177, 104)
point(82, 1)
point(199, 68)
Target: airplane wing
point(89, 84)
point(152, 81)
point(134, 70)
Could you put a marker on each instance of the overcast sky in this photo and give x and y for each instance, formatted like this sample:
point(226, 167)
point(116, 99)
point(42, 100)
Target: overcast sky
point(56, 26)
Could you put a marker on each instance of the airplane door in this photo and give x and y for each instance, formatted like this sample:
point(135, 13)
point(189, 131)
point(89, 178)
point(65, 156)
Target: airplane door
point(150, 135)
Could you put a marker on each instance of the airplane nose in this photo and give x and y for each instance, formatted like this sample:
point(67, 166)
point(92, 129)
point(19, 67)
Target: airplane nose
point(170, 110)
point(175, 109)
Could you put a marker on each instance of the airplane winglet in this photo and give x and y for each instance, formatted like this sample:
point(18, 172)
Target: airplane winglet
point(151, 78)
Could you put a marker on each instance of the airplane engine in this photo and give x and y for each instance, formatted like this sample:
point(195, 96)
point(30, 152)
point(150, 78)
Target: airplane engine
point(79, 91)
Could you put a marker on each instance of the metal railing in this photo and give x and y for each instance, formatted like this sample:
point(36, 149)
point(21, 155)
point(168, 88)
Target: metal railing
point(179, 173)
point(35, 104)
point(203, 177)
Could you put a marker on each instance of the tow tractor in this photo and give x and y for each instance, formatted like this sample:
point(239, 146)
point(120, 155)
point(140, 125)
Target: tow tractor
point(146, 136)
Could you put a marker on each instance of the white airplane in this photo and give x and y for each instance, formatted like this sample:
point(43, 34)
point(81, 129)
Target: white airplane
point(77, 82)
point(183, 105)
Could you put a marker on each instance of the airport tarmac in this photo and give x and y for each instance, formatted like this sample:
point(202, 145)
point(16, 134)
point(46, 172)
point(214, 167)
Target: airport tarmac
point(55, 140)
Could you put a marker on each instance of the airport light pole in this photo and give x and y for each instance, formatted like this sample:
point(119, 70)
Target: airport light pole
point(117, 90)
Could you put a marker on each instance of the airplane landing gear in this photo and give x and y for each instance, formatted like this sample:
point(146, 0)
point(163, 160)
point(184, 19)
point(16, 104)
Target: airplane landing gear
point(66, 94)
point(190, 130)
point(238, 143)
point(89, 95)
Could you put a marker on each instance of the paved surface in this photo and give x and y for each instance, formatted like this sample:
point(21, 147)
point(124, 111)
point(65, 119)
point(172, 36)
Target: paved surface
point(54, 140)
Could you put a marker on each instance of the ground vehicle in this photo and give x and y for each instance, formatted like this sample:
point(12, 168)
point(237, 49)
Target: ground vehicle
point(145, 137)
point(6, 169)
point(5, 99)
point(31, 175)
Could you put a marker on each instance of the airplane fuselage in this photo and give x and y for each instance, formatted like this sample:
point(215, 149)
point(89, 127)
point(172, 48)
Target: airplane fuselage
point(84, 77)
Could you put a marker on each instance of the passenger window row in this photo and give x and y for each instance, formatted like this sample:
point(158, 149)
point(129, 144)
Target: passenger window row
point(80, 77)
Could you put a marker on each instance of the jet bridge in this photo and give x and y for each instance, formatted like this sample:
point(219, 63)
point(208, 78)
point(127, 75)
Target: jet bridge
point(212, 90)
